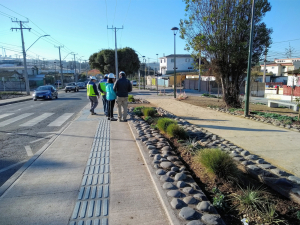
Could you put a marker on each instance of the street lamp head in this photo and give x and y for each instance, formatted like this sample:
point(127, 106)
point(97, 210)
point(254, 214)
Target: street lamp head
point(175, 30)
point(46, 35)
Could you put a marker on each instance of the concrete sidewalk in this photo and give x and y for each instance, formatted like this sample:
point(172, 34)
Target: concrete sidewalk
point(15, 100)
point(276, 145)
point(92, 173)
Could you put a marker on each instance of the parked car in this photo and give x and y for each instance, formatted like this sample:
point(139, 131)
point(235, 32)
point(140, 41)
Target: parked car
point(45, 92)
point(134, 83)
point(71, 87)
point(80, 85)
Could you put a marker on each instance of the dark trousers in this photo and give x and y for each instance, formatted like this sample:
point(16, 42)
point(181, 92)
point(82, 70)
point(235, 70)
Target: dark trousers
point(94, 102)
point(105, 107)
point(110, 110)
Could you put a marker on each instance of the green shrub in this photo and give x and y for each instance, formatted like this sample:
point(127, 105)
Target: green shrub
point(148, 111)
point(138, 110)
point(174, 130)
point(205, 94)
point(149, 119)
point(131, 98)
point(163, 123)
point(218, 163)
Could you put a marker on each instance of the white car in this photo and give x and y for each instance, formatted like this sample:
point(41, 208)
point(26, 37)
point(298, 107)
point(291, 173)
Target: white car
point(134, 83)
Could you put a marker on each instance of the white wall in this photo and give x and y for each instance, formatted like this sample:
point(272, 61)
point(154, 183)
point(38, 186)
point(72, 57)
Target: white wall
point(181, 64)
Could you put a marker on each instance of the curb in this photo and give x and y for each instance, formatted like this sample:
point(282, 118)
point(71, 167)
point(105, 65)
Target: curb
point(9, 183)
point(161, 195)
point(16, 101)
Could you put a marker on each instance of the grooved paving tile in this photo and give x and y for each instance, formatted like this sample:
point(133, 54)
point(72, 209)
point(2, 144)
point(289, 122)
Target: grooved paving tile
point(92, 205)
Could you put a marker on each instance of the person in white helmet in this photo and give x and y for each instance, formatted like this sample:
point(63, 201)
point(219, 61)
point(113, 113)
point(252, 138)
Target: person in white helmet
point(122, 87)
point(93, 94)
point(110, 96)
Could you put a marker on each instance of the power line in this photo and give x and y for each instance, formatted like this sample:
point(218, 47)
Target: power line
point(115, 12)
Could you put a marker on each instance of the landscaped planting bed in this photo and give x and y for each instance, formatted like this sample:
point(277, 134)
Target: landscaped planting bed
point(195, 166)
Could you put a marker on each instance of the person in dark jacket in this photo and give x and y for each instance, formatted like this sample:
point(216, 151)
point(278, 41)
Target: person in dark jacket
point(122, 87)
point(93, 94)
point(102, 89)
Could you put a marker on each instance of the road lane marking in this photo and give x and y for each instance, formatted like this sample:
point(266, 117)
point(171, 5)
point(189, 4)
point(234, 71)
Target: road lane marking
point(28, 150)
point(60, 120)
point(36, 120)
point(5, 115)
point(11, 166)
point(41, 138)
point(12, 120)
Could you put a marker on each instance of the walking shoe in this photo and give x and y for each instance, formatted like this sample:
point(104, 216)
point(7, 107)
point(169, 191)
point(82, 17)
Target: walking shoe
point(124, 120)
point(93, 113)
point(108, 118)
point(113, 119)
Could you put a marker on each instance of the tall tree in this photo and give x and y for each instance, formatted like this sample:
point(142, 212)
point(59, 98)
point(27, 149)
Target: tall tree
point(220, 30)
point(104, 60)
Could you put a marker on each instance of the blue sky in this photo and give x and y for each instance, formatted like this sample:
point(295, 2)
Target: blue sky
point(81, 26)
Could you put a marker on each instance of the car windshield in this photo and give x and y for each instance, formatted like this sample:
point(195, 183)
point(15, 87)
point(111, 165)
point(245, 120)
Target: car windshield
point(43, 88)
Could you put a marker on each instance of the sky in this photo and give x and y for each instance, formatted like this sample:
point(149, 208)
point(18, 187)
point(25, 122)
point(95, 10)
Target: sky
point(81, 27)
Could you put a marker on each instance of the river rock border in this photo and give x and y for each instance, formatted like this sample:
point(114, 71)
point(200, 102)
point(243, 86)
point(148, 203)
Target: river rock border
point(277, 179)
point(270, 121)
point(184, 197)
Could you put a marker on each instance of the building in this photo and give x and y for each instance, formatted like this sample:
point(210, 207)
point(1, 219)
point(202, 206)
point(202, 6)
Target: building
point(184, 63)
point(280, 67)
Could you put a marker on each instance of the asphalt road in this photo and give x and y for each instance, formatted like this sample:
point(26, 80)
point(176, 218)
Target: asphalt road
point(25, 127)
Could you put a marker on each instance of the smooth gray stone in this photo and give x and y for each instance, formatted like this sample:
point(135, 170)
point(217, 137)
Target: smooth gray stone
point(188, 213)
point(151, 147)
point(157, 157)
point(205, 206)
point(181, 184)
point(195, 222)
point(175, 194)
point(234, 155)
point(166, 178)
point(171, 173)
point(180, 177)
point(266, 166)
point(175, 169)
point(200, 196)
point(190, 200)
point(251, 157)
point(239, 159)
point(173, 158)
point(279, 172)
point(156, 166)
point(153, 151)
point(188, 190)
point(156, 161)
point(211, 219)
point(177, 203)
point(166, 165)
point(260, 161)
point(253, 167)
point(169, 185)
point(183, 168)
point(245, 153)
point(163, 160)
point(166, 148)
point(144, 139)
point(245, 163)
point(160, 172)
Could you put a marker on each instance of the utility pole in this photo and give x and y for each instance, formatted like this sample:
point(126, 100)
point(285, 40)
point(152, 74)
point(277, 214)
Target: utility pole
point(199, 80)
point(60, 65)
point(116, 53)
point(24, 53)
point(264, 76)
point(75, 78)
point(246, 112)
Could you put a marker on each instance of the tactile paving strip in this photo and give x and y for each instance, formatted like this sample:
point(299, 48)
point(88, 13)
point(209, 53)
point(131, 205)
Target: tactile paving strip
point(92, 204)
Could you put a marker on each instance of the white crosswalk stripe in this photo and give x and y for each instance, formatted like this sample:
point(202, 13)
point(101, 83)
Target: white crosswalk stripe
point(60, 120)
point(5, 115)
point(36, 120)
point(12, 120)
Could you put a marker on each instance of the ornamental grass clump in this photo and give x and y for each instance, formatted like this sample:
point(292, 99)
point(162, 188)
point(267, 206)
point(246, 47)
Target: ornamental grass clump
point(218, 163)
point(138, 111)
point(174, 130)
point(148, 111)
point(131, 98)
point(163, 123)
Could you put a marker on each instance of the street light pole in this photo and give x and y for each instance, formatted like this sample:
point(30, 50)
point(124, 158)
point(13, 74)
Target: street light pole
point(157, 75)
point(175, 30)
point(246, 112)
point(144, 72)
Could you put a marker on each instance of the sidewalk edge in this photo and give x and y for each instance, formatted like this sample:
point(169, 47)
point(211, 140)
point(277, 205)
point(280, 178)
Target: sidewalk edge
point(9, 183)
point(161, 195)
point(16, 101)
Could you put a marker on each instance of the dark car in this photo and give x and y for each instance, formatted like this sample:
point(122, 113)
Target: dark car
point(71, 87)
point(81, 85)
point(45, 92)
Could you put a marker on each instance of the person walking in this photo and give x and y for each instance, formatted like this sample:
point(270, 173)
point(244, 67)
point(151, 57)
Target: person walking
point(93, 94)
point(122, 87)
point(110, 96)
point(102, 89)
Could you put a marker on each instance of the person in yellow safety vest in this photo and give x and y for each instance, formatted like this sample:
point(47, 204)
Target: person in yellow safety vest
point(93, 94)
point(102, 89)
